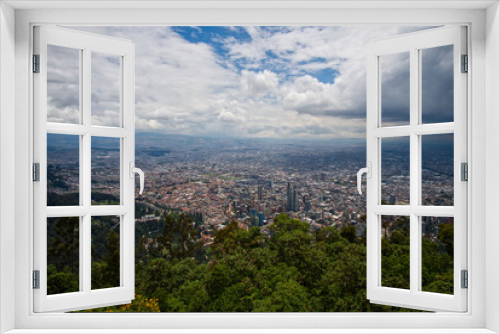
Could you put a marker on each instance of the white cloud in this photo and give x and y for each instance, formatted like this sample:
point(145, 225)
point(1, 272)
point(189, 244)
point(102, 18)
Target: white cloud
point(259, 83)
point(265, 86)
point(227, 116)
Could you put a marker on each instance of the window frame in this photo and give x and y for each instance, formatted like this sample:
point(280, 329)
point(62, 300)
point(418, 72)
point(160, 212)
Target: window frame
point(414, 44)
point(86, 44)
point(476, 317)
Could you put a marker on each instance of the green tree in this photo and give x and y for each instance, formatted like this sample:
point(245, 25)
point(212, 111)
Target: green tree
point(112, 274)
point(179, 237)
point(349, 233)
point(64, 245)
point(445, 236)
point(63, 255)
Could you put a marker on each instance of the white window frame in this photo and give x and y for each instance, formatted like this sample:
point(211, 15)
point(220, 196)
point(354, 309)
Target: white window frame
point(483, 101)
point(413, 44)
point(86, 44)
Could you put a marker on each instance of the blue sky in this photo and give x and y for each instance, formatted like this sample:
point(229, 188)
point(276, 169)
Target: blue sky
point(263, 82)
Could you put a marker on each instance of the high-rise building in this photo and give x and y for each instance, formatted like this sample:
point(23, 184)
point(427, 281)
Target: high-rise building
point(307, 203)
point(289, 197)
point(261, 218)
point(392, 200)
point(292, 198)
point(255, 218)
point(295, 207)
point(259, 192)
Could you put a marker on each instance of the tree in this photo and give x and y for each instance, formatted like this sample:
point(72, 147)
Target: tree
point(60, 282)
point(179, 237)
point(349, 233)
point(231, 238)
point(63, 255)
point(112, 274)
point(445, 236)
point(64, 245)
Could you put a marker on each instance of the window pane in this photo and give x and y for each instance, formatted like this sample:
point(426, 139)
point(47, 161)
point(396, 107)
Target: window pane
point(395, 171)
point(63, 249)
point(106, 86)
point(105, 171)
point(395, 99)
point(63, 170)
point(437, 170)
point(105, 252)
point(437, 84)
point(437, 254)
point(63, 85)
point(395, 251)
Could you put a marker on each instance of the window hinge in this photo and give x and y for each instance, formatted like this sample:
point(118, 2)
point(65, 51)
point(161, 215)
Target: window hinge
point(36, 279)
point(36, 172)
point(36, 63)
point(465, 279)
point(464, 168)
point(465, 63)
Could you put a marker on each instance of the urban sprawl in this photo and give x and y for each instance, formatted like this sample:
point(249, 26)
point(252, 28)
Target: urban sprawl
point(251, 181)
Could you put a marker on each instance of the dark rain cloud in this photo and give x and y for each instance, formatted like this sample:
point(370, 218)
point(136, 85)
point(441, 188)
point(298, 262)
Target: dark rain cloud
point(437, 86)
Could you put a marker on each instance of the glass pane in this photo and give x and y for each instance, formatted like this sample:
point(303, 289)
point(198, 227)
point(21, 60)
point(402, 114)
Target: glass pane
point(437, 254)
point(63, 85)
point(395, 171)
point(105, 252)
point(106, 86)
point(105, 171)
point(395, 251)
point(63, 249)
point(437, 84)
point(395, 97)
point(63, 170)
point(437, 170)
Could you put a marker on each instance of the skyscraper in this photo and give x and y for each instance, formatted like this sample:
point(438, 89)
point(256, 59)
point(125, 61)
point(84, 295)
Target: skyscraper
point(259, 192)
point(289, 197)
point(261, 218)
point(392, 200)
point(295, 207)
point(254, 218)
point(307, 203)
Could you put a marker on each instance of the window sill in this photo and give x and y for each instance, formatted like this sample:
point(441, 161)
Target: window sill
point(251, 331)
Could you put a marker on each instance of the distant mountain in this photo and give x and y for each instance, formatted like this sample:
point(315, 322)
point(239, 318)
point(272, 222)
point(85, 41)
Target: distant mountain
point(158, 144)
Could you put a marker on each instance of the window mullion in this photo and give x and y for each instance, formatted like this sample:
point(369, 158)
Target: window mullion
point(86, 255)
point(414, 170)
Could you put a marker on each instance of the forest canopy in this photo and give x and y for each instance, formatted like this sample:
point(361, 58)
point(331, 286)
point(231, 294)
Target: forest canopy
point(289, 269)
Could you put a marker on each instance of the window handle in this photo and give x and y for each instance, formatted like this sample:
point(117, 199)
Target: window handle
point(368, 171)
point(133, 170)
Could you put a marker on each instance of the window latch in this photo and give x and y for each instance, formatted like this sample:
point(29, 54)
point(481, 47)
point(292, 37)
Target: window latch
point(132, 171)
point(368, 171)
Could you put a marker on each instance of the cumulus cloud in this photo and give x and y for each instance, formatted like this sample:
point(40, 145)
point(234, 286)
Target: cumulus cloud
point(259, 83)
point(63, 85)
point(227, 116)
point(265, 81)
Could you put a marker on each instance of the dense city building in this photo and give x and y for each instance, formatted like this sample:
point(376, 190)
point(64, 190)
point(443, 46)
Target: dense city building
point(251, 182)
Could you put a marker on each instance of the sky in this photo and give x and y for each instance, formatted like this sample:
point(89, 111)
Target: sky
point(251, 82)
